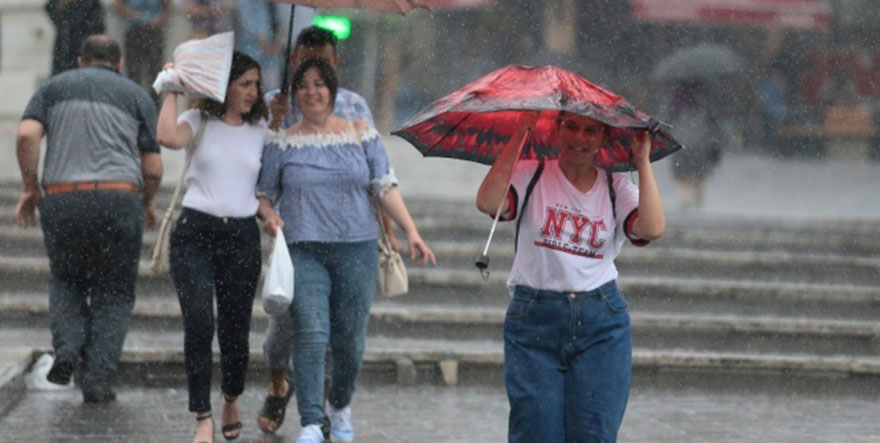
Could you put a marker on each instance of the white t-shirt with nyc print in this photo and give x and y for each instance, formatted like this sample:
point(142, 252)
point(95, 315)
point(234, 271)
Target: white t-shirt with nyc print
point(567, 238)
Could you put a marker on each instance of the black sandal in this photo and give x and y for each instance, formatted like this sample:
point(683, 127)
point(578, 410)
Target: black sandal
point(274, 409)
point(232, 427)
point(205, 417)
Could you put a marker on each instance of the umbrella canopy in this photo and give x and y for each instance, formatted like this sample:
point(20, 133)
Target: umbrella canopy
point(706, 62)
point(475, 122)
point(401, 6)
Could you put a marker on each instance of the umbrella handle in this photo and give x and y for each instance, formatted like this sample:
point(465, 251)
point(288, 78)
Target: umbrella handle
point(482, 262)
point(285, 82)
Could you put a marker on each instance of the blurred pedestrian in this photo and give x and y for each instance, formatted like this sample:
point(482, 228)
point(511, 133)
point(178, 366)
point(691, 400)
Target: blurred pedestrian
point(207, 17)
point(143, 41)
point(255, 36)
point(215, 245)
point(772, 105)
point(311, 42)
point(74, 20)
point(323, 174)
point(698, 125)
point(567, 337)
point(101, 172)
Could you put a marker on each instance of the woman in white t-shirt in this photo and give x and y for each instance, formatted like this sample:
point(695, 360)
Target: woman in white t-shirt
point(215, 245)
point(567, 342)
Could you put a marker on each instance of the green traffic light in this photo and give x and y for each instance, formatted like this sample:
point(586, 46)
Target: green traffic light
point(339, 26)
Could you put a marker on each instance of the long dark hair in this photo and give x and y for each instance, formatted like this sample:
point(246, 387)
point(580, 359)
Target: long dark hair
point(241, 63)
point(325, 71)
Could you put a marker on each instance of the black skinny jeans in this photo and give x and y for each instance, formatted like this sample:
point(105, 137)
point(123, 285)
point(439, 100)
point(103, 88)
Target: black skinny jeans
point(215, 255)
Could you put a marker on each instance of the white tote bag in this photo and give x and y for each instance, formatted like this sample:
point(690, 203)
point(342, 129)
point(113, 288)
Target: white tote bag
point(278, 281)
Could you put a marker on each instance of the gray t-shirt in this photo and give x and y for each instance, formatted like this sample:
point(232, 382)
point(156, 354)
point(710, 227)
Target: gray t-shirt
point(97, 123)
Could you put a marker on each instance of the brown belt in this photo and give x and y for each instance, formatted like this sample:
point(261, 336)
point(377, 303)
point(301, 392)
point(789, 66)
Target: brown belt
point(60, 188)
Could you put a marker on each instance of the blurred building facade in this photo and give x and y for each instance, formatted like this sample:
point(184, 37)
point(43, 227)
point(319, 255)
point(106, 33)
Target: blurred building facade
point(814, 64)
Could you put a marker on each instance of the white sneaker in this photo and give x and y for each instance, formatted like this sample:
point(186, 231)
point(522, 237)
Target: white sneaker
point(311, 434)
point(36, 379)
point(341, 428)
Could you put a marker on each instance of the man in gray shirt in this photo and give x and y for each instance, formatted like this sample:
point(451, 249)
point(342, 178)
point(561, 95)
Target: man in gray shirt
point(101, 172)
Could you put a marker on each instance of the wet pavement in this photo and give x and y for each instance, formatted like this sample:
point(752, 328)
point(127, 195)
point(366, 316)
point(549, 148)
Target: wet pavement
point(453, 414)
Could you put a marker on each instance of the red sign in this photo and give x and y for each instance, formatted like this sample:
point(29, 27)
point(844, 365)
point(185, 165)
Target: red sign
point(456, 4)
point(807, 14)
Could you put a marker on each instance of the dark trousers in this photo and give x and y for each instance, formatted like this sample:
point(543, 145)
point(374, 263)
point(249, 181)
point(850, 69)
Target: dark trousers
point(215, 256)
point(93, 240)
point(144, 47)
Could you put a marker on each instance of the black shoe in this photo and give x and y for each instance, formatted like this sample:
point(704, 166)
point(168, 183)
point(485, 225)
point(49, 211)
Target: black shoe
point(62, 369)
point(274, 408)
point(99, 394)
point(230, 431)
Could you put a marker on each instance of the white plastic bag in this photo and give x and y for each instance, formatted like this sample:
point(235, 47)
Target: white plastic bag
point(201, 68)
point(278, 281)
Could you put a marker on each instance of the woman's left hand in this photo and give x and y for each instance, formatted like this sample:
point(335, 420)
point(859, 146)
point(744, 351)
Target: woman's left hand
point(424, 252)
point(642, 145)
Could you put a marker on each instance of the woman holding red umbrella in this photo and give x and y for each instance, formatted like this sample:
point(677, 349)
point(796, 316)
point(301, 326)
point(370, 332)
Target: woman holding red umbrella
point(567, 341)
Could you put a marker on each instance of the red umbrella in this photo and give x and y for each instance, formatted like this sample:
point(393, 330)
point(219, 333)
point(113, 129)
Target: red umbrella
point(476, 121)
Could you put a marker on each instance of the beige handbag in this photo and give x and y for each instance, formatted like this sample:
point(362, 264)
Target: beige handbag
point(161, 252)
point(392, 279)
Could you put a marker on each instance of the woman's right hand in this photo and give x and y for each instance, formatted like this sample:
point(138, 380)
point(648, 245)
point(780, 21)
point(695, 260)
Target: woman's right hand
point(272, 222)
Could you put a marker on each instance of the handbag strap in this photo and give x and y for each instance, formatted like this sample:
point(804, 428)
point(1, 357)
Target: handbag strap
point(193, 144)
point(384, 241)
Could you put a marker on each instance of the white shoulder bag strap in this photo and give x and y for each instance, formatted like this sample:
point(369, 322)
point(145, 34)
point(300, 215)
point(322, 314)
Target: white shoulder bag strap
point(193, 144)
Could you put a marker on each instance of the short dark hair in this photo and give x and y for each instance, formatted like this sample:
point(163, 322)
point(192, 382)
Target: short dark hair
point(100, 48)
point(241, 63)
point(315, 37)
point(325, 71)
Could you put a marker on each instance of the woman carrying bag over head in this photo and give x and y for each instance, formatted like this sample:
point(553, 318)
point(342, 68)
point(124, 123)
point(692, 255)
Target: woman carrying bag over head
point(215, 244)
point(567, 341)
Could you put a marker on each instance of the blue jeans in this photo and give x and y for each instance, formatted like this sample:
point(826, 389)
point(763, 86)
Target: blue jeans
point(567, 364)
point(334, 286)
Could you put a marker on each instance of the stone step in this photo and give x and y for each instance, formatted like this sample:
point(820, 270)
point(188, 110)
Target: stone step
point(29, 278)
point(847, 237)
point(438, 220)
point(668, 260)
point(722, 333)
point(414, 362)
point(23, 249)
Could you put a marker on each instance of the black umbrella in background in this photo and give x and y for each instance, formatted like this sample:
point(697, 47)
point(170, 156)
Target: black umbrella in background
point(704, 62)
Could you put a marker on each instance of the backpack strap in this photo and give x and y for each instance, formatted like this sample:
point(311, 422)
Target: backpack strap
point(611, 193)
point(613, 196)
point(529, 190)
